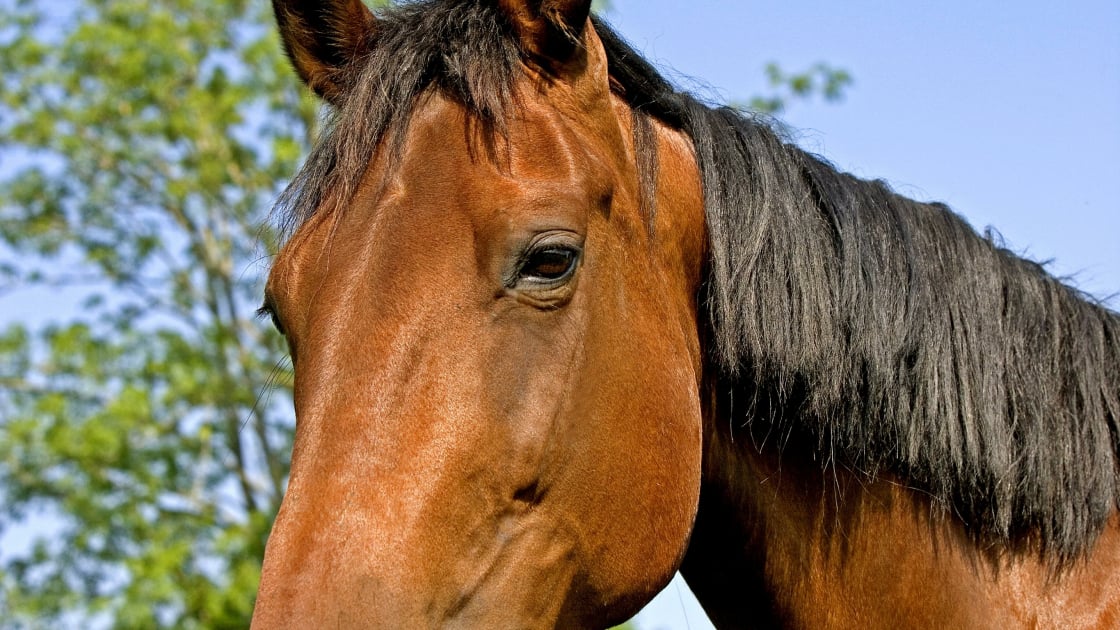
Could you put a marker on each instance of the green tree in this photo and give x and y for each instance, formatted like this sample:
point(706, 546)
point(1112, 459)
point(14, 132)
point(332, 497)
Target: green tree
point(141, 145)
point(785, 87)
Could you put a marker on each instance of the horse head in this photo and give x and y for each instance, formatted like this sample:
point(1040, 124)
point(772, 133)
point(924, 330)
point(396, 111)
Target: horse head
point(494, 334)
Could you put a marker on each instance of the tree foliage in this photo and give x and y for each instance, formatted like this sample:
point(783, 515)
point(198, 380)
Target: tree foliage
point(147, 430)
point(786, 87)
point(143, 143)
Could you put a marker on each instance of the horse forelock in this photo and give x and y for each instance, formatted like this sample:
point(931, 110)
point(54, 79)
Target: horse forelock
point(881, 331)
point(465, 49)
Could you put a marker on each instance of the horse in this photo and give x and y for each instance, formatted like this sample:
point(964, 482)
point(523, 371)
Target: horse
point(560, 329)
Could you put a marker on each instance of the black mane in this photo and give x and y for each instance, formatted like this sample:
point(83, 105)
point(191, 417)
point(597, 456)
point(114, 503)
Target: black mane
point(892, 337)
point(882, 331)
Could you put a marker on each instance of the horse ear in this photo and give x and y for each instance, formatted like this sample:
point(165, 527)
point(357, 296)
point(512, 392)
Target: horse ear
point(323, 38)
point(549, 30)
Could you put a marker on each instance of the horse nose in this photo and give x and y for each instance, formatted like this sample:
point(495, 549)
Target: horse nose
point(310, 582)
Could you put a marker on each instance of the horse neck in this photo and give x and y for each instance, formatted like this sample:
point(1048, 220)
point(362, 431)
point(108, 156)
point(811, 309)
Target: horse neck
point(784, 540)
point(776, 539)
point(772, 526)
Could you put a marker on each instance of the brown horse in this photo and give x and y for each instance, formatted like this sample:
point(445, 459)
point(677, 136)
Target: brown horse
point(560, 330)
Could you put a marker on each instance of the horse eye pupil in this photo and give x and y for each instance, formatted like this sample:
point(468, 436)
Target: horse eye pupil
point(550, 264)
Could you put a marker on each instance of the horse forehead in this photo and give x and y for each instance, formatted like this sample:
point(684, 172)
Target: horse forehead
point(540, 144)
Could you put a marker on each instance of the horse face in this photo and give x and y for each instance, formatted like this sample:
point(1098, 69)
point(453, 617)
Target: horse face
point(497, 370)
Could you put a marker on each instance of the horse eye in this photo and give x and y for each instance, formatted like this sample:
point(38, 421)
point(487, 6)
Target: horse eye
point(268, 311)
point(548, 265)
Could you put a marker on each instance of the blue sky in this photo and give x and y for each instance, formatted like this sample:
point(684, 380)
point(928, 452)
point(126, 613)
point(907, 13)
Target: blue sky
point(1008, 112)
point(1011, 116)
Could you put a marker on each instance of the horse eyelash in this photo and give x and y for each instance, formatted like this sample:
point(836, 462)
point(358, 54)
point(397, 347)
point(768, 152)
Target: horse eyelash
point(267, 311)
